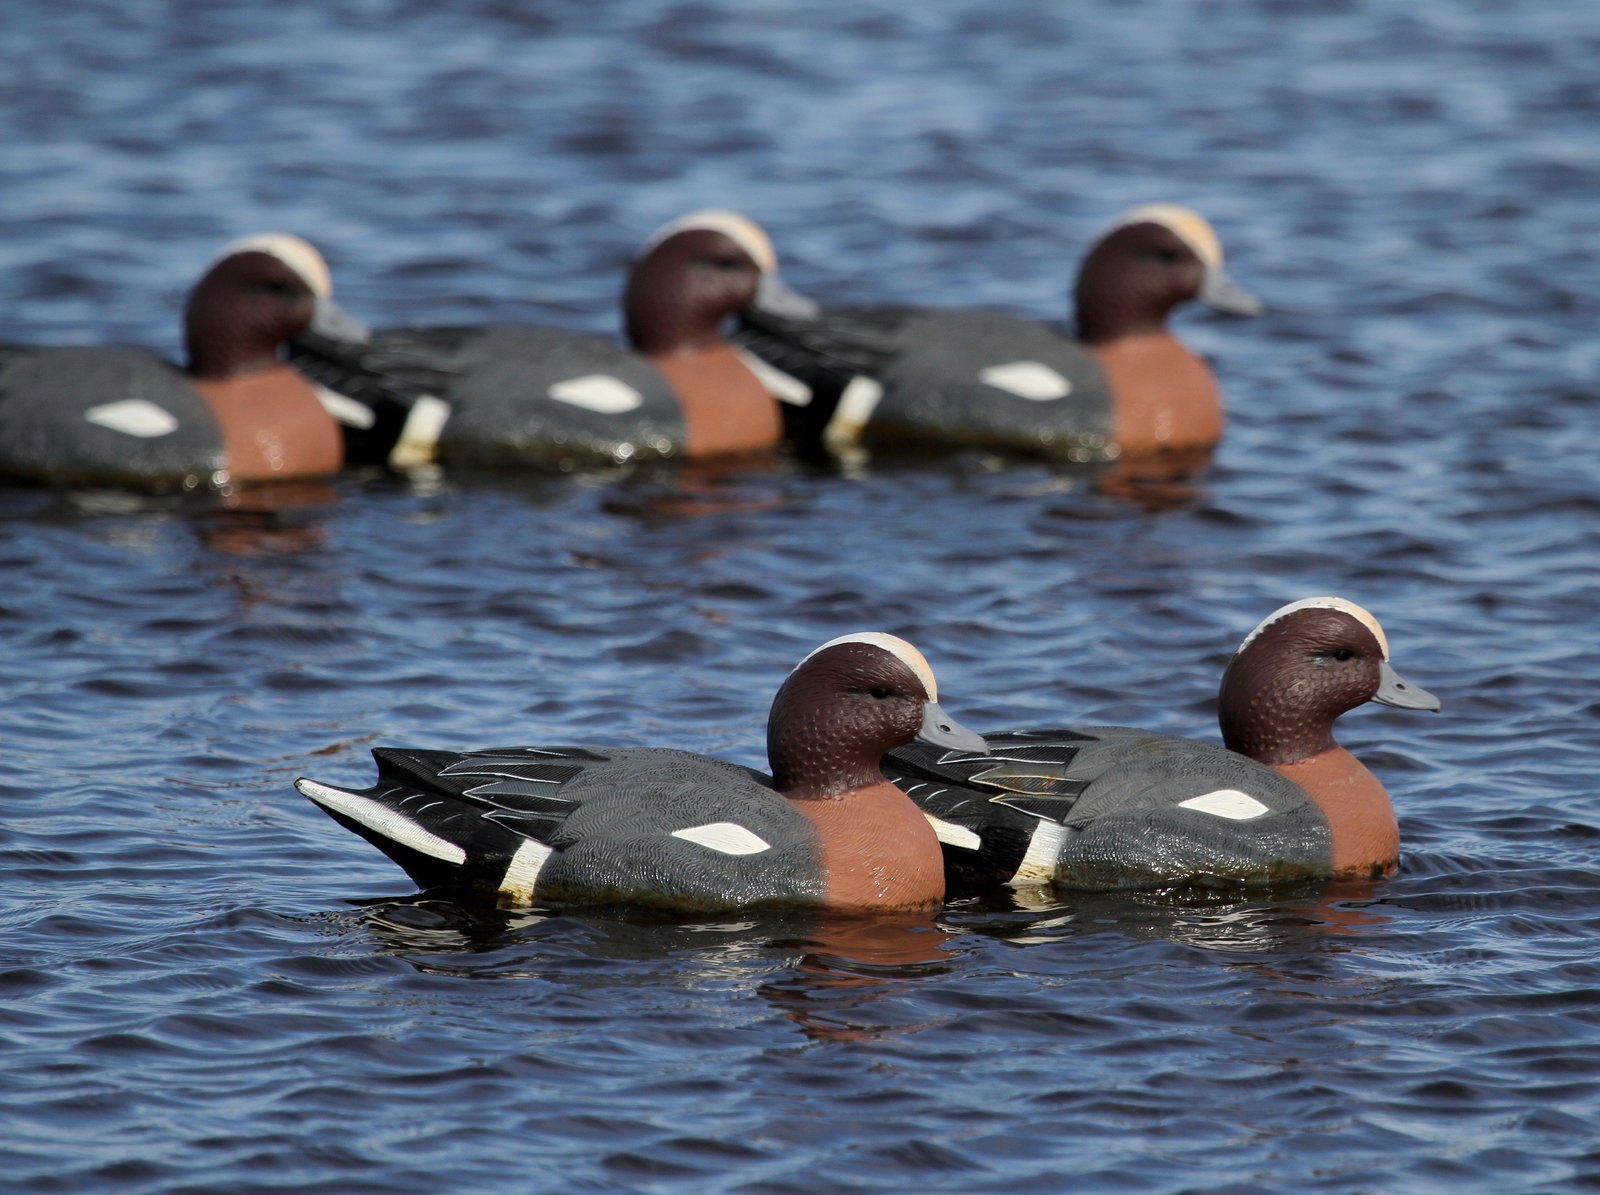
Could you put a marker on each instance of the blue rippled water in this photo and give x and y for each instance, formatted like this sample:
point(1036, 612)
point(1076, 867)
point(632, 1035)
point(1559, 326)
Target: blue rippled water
point(205, 985)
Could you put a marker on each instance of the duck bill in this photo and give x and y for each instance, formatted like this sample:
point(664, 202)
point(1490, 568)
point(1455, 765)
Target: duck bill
point(1221, 293)
point(1395, 690)
point(330, 320)
point(776, 297)
point(941, 730)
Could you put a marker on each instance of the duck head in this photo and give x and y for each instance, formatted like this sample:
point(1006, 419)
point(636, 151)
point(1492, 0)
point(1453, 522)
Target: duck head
point(1302, 667)
point(694, 274)
point(259, 292)
point(1150, 260)
point(845, 705)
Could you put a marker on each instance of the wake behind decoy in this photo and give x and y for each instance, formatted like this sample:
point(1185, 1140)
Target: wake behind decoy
point(521, 395)
point(648, 826)
point(1108, 807)
point(948, 377)
point(124, 417)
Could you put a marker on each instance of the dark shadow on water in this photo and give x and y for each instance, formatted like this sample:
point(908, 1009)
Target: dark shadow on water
point(819, 970)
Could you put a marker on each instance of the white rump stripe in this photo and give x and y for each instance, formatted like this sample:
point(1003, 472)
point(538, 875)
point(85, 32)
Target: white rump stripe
point(1032, 380)
point(1227, 802)
point(1038, 866)
point(598, 392)
point(729, 838)
point(391, 824)
point(951, 834)
point(134, 417)
point(516, 886)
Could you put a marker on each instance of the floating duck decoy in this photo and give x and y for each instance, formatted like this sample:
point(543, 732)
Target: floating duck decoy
point(950, 377)
point(122, 416)
point(654, 826)
point(1107, 807)
point(517, 395)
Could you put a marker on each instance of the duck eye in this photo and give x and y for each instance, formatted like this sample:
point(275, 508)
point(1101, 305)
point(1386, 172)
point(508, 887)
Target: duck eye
point(879, 691)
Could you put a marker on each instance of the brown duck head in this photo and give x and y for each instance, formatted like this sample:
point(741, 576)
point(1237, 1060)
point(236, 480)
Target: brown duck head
point(1152, 259)
point(260, 291)
point(845, 705)
point(1306, 664)
point(693, 275)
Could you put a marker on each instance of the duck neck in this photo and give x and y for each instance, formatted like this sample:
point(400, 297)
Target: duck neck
point(220, 348)
point(1260, 716)
point(659, 319)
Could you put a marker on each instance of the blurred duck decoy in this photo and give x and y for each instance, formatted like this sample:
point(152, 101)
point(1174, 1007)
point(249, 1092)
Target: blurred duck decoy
point(951, 377)
point(1108, 807)
point(515, 395)
point(121, 416)
point(652, 826)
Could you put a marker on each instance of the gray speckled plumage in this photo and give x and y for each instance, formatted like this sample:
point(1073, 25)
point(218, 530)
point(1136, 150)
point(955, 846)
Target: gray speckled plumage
point(1117, 793)
point(46, 393)
point(497, 380)
point(607, 814)
point(929, 368)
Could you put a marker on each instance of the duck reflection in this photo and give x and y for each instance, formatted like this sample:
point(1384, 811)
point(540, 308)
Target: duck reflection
point(1242, 921)
point(824, 972)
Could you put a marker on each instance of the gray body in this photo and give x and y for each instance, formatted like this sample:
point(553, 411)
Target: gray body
point(46, 395)
point(608, 815)
point(1108, 802)
point(497, 381)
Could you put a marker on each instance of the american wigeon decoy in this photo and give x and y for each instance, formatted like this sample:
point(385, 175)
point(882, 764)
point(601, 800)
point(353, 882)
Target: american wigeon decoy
point(1105, 807)
point(1125, 386)
point(509, 395)
point(585, 825)
point(123, 416)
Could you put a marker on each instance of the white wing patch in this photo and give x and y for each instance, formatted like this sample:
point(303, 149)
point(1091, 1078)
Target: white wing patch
point(782, 386)
point(1032, 380)
point(392, 825)
point(134, 417)
point(598, 392)
point(1226, 802)
point(951, 834)
point(346, 410)
point(729, 838)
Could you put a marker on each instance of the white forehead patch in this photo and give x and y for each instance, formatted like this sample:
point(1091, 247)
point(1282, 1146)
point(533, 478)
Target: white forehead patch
point(1186, 224)
point(1359, 613)
point(741, 230)
point(895, 646)
point(293, 252)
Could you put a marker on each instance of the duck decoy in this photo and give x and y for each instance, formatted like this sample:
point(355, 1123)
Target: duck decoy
point(518, 395)
point(1108, 807)
point(122, 416)
point(1123, 386)
point(659, 827)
